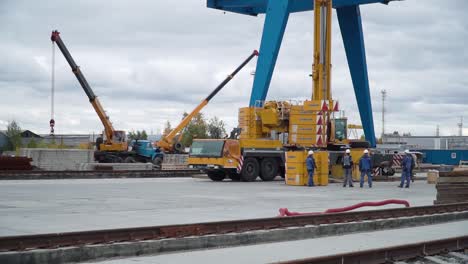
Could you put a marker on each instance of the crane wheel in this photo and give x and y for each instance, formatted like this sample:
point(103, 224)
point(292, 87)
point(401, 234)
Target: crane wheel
point(179, 147)
point(216, 175)
point(157, 162)
point(250, 170)
point(269, 169)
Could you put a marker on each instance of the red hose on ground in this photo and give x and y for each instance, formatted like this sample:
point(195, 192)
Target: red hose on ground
point(286, 212)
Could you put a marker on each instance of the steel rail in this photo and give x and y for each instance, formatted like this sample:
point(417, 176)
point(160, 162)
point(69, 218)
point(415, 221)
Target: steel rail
point(390, 254)
point(39, 175)
point(57, 240)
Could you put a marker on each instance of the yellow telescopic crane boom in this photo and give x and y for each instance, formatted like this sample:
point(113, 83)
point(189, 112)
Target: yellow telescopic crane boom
point(167, 143)
point(115, 140)
point(321, 69)
point(322, 50)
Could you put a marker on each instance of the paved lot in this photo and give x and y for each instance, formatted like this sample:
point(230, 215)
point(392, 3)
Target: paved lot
point(28, 207)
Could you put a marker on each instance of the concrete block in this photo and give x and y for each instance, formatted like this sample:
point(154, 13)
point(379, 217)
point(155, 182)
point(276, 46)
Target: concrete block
point(58, 159)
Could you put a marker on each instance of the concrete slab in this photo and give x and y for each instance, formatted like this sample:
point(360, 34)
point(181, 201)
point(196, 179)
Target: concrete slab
point(31, 207)
point(274, 252)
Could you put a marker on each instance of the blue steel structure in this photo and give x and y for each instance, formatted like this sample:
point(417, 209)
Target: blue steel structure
point(277, 14)
point(444, 156)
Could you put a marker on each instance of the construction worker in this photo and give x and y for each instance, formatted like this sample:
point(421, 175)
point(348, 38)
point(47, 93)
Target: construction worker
point(348, 166)
point(365, 167)
point(406, 165)
point(311, 166)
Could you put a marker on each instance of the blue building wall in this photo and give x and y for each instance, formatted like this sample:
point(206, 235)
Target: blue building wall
point(448, 157)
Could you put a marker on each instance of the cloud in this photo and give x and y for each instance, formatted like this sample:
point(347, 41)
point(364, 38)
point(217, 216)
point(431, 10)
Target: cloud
point(149, 61)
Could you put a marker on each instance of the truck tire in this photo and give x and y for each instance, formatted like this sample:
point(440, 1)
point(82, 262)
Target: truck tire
point(216, 175)
point(179, 147)
point(157, 162)
point(250, 170)
point(269, 169)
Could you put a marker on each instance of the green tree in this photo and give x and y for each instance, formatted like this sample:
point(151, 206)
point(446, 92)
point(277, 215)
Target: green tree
point(14, 134)
point(197, 128)
point(137, 135)
point(42, 144)
point(32, 143)
point(216, 128)
point(144, 135)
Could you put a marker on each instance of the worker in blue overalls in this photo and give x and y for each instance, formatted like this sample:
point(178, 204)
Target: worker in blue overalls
point(365, 167)
point(310, 162)
point(406, 166)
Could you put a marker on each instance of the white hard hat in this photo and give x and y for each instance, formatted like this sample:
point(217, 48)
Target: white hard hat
point(348, 151)
point(366, 151)
point(407, 151)
point(311, 152)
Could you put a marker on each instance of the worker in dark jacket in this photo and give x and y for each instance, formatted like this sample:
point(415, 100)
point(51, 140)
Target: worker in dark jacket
point(413, 164)
point(348, 167)
point(310, 162)
point(365, 167)
point(406, 165)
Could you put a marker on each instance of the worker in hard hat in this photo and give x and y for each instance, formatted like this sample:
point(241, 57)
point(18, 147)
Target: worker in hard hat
point(348, 166)
point(365, 167)
point(406, 167)
point(311, 166)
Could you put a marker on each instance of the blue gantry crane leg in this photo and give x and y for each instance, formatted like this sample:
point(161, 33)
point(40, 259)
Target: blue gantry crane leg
point(349, 19)
point(277, 14)
point(276, 19)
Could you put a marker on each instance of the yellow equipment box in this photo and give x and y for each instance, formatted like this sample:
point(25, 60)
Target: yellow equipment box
point(303, 129)
point(296, 169)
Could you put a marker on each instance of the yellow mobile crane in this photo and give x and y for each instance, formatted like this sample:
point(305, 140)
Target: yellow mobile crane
point(114, 148)
point(272, 129)
point(169, 143)
point(114, 140)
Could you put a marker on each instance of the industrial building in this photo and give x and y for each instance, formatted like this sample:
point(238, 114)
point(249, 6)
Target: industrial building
point(424, 142)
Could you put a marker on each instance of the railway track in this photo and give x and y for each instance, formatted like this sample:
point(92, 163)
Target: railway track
point(104, 174)
point(58, 240)
point(397, 254)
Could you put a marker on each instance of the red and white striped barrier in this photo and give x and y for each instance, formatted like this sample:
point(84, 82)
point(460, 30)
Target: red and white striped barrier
point(397, 159)
point(239, 166)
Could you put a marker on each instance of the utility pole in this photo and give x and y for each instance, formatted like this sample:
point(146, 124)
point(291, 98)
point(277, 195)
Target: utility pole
point(437, 131)
point(460, 127)
point(384, 95)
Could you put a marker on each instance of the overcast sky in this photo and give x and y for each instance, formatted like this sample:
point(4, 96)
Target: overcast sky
point(149, 61)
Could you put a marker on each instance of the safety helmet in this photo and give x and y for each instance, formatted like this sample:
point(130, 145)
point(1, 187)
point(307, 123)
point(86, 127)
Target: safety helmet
point(348, 151)
point(311, 152)
point(366, 151)
point(407, 151)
